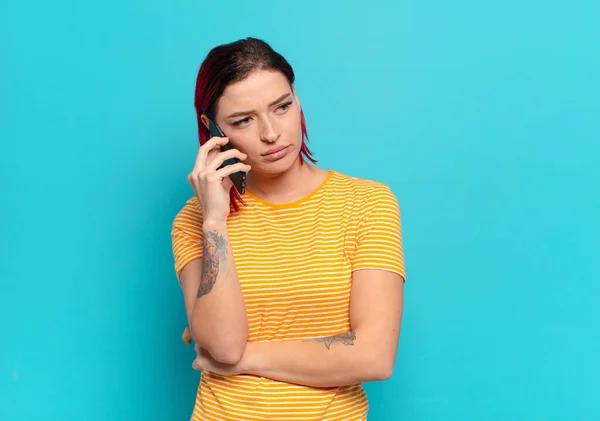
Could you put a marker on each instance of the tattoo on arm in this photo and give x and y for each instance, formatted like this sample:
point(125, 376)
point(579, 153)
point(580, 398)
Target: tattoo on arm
point(343, 338)
point(214, 257)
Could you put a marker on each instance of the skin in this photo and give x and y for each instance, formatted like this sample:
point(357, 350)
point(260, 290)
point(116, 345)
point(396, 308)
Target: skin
point(368, 351)
point(282, 181)
point(271, 118)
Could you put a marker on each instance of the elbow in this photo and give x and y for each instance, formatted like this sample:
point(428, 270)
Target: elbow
point(230, 354)
point(384, 372)
point(227, 348)
point(381, 369)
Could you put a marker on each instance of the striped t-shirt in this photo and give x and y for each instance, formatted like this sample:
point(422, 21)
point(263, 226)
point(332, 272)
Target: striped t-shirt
point(294, 263)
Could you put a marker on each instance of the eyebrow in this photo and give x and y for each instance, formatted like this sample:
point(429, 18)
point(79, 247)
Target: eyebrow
point(242, 113)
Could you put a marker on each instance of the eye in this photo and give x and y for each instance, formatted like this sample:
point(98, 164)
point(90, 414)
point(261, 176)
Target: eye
point(241, 122)
point(285, 106)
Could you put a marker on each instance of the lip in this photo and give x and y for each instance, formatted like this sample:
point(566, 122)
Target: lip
point(277, 153)
point(274, 150)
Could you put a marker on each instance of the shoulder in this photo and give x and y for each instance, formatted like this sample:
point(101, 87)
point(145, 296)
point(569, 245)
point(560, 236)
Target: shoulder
point(189, 217)
point(363, 191)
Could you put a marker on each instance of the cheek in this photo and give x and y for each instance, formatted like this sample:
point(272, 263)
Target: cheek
point(244, 143)
point(252, 149)
point(295, 127)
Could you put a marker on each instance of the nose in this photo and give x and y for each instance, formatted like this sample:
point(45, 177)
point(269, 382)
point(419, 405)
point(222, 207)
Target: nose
point(269, 132)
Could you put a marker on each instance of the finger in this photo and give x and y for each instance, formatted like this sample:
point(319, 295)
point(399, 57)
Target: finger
point(186, 336)
point(213, 143)
point(199, 363)
point(203, 151)
point(224, 156)
point(211, 155)
point(196, 365)
point(194, 175)
point(231, 169)
point(227, 183)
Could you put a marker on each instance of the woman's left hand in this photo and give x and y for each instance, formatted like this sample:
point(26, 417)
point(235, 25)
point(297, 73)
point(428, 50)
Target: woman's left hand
point(186, 336)
point(204, 362)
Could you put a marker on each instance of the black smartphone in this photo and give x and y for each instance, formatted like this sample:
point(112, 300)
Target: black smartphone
point(238, 178)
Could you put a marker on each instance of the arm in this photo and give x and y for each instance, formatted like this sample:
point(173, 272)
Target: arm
point(213, 298)
point(365, 354)
point(368, 351)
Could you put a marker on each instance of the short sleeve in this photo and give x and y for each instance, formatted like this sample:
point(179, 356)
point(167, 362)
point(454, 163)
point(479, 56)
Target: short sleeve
point(186, 237)
point(379, 233)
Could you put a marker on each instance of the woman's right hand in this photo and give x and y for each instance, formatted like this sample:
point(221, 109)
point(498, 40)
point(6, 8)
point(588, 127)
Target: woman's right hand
point(211, 184)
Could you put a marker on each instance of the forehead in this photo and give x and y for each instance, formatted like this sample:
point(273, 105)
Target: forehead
point(257, 91)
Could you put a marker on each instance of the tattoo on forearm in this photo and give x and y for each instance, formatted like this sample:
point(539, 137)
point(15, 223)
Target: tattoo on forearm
point(214, 257)
point(343, 338)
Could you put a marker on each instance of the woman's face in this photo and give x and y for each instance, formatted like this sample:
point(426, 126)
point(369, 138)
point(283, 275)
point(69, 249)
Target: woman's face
point(261, 117)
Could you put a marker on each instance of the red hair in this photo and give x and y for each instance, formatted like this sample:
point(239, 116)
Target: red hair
point(230, 63)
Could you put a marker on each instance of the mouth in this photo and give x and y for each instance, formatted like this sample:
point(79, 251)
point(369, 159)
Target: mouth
point(276, 154)
point(273, 151)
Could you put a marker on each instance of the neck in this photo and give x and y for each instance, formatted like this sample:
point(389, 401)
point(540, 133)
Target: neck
point(282, 186)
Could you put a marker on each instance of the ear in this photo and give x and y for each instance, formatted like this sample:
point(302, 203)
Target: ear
point(204, 119)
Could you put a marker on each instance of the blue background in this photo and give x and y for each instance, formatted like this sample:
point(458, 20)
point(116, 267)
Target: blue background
point(483, 117)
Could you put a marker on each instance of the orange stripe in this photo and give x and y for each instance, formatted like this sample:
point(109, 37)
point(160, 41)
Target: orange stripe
point(295, 265)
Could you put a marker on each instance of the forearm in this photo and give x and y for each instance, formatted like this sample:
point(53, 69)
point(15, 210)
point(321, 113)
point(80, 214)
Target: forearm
point(324, 362)
point(218, 320)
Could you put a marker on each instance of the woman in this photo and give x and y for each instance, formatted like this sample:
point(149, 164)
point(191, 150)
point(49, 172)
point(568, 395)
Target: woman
point(293, 289)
